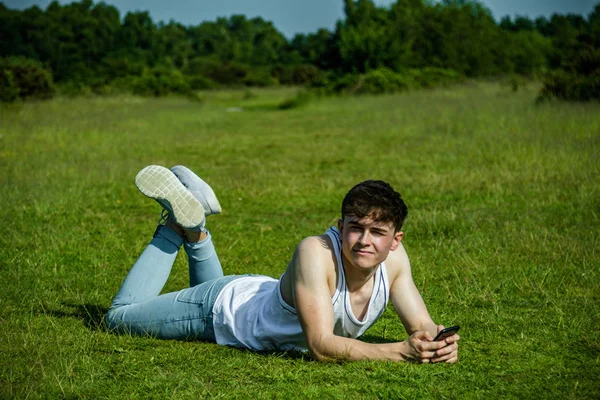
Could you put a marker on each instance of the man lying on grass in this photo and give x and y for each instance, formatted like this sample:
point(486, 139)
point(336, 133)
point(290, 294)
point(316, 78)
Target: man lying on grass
point(334, 288)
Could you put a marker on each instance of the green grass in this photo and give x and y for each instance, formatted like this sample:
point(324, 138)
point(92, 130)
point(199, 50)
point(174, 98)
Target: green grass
point(503, 235)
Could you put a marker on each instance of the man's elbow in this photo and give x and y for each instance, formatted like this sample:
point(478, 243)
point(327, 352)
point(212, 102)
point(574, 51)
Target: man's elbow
point(324, 350)
point(317, 355)
point(319, 349)
point(326, 357)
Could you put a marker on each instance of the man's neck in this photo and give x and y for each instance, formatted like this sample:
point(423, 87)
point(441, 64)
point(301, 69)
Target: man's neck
point(356, 278)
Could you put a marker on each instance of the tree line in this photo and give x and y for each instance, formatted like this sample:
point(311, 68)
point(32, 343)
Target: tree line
point(88, 46)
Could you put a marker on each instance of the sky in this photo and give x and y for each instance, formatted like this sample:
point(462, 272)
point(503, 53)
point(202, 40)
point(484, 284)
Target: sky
point(301, 16)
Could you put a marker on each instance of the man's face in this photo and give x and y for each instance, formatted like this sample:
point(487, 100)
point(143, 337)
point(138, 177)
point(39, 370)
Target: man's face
point(367, 243)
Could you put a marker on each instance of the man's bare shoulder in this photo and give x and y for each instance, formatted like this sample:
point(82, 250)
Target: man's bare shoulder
point(313, 261)
point(315, 251)
point(317, 245)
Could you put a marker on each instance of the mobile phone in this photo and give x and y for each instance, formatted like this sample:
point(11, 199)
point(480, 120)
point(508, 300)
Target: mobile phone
point(444, 333)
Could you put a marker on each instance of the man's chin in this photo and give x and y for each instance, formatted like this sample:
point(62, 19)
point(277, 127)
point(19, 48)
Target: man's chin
point(365, 261)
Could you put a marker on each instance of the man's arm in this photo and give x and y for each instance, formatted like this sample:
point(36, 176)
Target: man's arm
point(311, 267)
point(411, 309)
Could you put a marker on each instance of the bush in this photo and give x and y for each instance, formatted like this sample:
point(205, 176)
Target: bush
point(204, 66)
point(331, 83)
point(24, 78)
point(304, 74)
point(284, 74)
point(9, 90)
point(209, 72)
point(120, 66)
point(383, 80)
point(301, 98)
point(571, 87)
point(430, 77)
point(230, 74)
point(199, 82)
point(161, 81)
point(260, 77)
point(580, 83)
point(74, 89)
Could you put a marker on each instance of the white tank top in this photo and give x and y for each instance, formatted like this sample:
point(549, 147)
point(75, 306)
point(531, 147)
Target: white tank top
point(250, 312)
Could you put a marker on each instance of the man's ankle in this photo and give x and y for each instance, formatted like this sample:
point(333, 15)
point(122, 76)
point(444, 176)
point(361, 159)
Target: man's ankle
point(177, 228)
point(194, 236)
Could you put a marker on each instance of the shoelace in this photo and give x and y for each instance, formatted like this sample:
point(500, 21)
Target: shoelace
point(164, 216)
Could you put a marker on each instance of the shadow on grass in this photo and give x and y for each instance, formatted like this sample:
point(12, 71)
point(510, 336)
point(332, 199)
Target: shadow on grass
point(261, 107)
point(298, 355)
point(376, 339)
point(92, 315)
point(288, 355)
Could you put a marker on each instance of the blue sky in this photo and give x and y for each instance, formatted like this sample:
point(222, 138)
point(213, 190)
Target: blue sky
point(301, 16)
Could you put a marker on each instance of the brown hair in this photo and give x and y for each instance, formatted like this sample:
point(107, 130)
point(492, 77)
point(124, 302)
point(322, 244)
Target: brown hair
point(376, 200)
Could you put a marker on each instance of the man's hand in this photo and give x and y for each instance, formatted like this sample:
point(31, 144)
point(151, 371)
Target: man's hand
point(449, 352)
point(420, 347)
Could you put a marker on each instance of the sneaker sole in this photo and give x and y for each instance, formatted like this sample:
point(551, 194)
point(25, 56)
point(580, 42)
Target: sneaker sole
point(198, 187)
point(160, 184)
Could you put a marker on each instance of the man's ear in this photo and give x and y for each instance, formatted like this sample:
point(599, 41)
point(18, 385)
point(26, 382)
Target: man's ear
point(340, 225)
point(397, 239)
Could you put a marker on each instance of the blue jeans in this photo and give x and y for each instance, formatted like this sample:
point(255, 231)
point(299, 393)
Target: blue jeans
point(138, 308)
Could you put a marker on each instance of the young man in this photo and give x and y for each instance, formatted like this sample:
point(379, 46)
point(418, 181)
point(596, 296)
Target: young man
point(335, 286)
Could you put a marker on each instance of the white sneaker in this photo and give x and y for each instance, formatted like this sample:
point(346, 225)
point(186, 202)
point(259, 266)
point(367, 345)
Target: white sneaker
point(162, 185)
point(200, 189)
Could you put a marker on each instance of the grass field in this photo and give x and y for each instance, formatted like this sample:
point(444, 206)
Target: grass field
point(503, 236)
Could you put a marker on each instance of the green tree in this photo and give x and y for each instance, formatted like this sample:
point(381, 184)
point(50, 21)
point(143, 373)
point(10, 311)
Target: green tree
point(319, 49)
point(139, 36)
point(524, 23)
point(267, 43)
point(366, 38)
point(458, 35)
point(174, 45)
point(564, 37)
point(529, 52)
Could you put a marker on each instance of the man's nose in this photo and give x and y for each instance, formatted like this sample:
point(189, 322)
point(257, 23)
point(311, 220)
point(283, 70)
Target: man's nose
point(365, 238)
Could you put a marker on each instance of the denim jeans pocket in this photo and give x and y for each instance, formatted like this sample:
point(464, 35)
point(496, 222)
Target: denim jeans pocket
point(194, 295)
point(202, 297)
